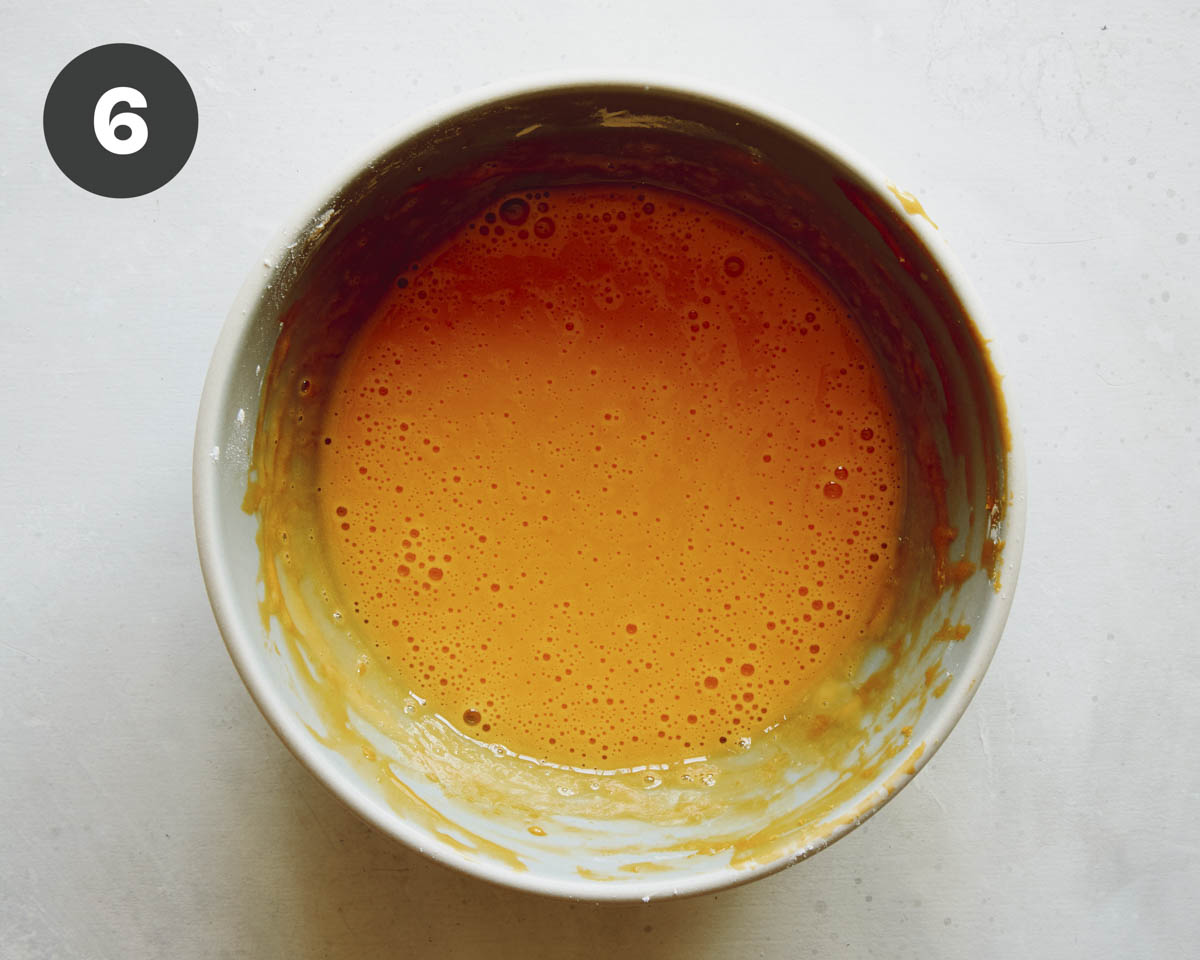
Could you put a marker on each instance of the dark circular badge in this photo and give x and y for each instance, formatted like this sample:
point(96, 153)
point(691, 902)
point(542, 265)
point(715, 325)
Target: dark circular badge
point(120, 120)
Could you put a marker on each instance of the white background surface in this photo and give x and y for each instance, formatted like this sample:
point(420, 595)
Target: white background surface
point(146, 809)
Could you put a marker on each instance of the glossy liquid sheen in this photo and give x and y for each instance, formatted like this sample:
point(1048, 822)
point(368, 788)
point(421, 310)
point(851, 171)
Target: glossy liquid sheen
point(611, 479)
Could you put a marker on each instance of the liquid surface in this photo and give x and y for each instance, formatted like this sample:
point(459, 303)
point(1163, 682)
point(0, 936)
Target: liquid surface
point(610, 479)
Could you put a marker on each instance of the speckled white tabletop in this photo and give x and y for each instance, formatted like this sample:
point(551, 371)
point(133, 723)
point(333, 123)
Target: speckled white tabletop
point(146, 809)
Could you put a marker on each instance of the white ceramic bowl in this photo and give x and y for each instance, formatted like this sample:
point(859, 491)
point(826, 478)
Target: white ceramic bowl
point(809, 188)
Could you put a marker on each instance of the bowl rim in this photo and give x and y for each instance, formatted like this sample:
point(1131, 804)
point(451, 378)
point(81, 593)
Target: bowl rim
point(240, 640)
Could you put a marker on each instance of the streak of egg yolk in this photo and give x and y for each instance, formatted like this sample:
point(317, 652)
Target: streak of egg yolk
point(610, 478)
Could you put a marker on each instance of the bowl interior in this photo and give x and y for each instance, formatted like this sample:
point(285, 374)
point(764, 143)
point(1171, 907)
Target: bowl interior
point(647, 832)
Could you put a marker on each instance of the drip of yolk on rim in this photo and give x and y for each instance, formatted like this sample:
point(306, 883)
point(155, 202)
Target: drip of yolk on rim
point(610, 479)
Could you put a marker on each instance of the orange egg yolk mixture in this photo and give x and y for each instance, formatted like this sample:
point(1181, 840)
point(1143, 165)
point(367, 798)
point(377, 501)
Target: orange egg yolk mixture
point(610, 478)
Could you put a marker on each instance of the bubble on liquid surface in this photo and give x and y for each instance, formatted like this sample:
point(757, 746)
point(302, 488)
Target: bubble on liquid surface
point(514, 211)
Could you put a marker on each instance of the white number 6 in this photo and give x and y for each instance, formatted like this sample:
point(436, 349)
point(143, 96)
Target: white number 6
point(106, 125)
